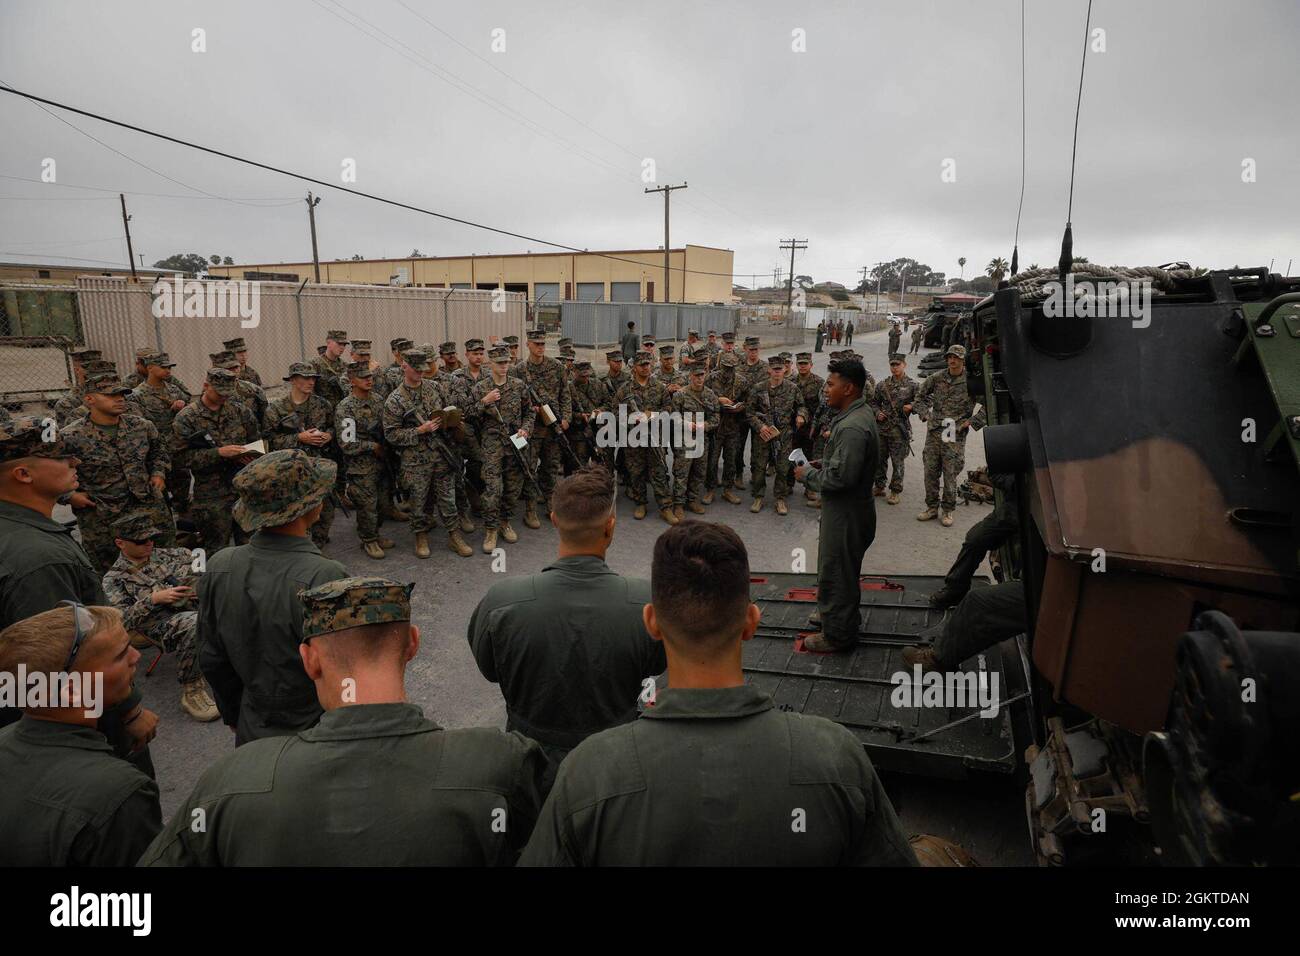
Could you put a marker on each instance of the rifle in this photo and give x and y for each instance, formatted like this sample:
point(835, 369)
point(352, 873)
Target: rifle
point(548, 418)
point(376, 433)
point(902, 420)
point(663, 457)
point(439, 442)
point(531, 487)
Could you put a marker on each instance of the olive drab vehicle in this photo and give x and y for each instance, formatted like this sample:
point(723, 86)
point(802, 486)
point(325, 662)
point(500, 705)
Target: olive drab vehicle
point(1159, 499)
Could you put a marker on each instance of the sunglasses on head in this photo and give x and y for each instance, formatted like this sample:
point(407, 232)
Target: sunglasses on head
point(79, 635)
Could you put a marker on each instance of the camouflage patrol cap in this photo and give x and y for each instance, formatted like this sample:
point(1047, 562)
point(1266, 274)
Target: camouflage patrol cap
point(537, 335)
point(235, 345)
point(775, 361)
point(614, 355)
point(418, 359)
point(642, 358)
point(473, 345)
point(447, 348)
point(728, 360)
point(279, 486)
point(786, 356)
point(694, 332)
point(499, 353)
point(565, 342)
point(84, 355)
point(581, 367)
point(897, 358)
point(360, 370)
point(568, 355)
point(751, 341)
point(338, 335)
point(106, 383)
point(25, 438)
point(696, 370)
point(135, 527)
point(727, 336)
point(302, 369)
point(803, 357)
point(428, 348)
point(956, 351)
point(223, 381)
point(647, 340)
point(398, 344)
point(511, 340)
point(224, 359)
point(159, 358)
point(714, 332)
point(353, 602)
point(98, 365)
point(666, 351)
point(144, 350)
point(360, 346)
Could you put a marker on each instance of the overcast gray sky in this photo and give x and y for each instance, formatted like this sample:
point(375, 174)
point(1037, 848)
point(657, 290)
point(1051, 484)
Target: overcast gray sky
point(843, 144)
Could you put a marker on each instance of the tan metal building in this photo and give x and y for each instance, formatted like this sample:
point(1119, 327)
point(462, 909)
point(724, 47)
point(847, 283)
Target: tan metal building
point(697, 274)
point(43, 274)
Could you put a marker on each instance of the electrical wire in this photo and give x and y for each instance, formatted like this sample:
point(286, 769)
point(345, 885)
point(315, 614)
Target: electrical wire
point(1069, 213)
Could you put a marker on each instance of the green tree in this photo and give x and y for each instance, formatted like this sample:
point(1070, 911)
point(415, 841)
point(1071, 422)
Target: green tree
point(996, 269)
point(961, 261)
point(190, 262)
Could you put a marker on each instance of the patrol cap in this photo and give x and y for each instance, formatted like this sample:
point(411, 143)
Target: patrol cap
point(223, 381)
point(957, 351)
point(398, 344)
point(582, 367)
point(713, 333)
point(751, 341)
point(537, 335)
point(511, 340)
point(84, 355)
point(235, 345)
point(728, 360)
point(447, 348)
point(803, 357)
point(144, 350)
point(696, 370)
point(279, 486)
point(224, 359)
point(338, 335)
point(135, 527)
point(647, 340)
point(360, 346)
point(642, 358)
point(666, 351)
point(428, 348)
point(694, 332)
point(775, 361)
point(353, 602)
point(106, 383)
point(568, 355)
point(24, 438)
point(302, 369)
point(614, 355)
point(159, 358)
point(727, 336)
point(564, 342)
point(898, 358)
point(499, 353)
point(98, 365)
point(785, 356)
point(360, 370)
point(418, 359)
point(473, 345)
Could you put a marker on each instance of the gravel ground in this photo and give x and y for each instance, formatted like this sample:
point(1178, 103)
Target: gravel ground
point(987, 817)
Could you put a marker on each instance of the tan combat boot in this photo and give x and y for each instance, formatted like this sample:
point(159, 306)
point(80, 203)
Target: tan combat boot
point(738, 484)
point(781, 509)
point(489, 540)
point(530, 516)
point(667, 515)
point(639, 513)
point(386, 543)
point(731, 496)
point(455, 542)
point(924, 656)
point(508, 534)
point(757, 506)
point(946, 520)
point(373, 550)
point(197, 702)
point(929, 514)
point(892, 499)
point(421, 544)
point(878, 492)
point(696, 508)
point(679, 512)
point(708, 497)
point(466, 525)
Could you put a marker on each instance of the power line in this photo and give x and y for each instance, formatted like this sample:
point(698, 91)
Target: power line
point(271, 202)
point(320, 182)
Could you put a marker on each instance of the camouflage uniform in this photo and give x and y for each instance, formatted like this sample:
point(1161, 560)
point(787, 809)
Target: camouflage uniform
point(548, 381)
point(688, 473)
point(726, 443)
point(503, 478)
point(197, 433)
point(284, 420)
point(462, 392)
point(918, 335)
point(895, 337)
point(69, 408)
point(890, 396)
point(942, 397)
point(117, 469)
point(650, 397)
point(426, 476)
point(811, 387)
point(156, 405)
point(777, 407)
point(386, 380)
point(361, 456)
point(170, 626)
point(329, 385)
point(587, 397)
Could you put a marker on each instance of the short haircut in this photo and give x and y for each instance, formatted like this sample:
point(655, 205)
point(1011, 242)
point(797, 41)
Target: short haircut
point(42, 641)
point(631, 325)
point(699, 585)
point(582, 502)
point(366, 643)
point(850, 370)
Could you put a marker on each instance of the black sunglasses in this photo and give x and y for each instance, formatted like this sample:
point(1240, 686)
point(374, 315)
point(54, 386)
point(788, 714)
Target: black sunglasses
point(78, 635)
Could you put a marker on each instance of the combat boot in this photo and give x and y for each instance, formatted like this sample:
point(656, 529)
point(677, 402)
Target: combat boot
point(738, 484)
point(924, 656)
point(530, 516)
point(696, 508)
point(395, 513)
point(466, 524)
point(421, 544)
point(757, 506)
point(639, 513)
point(679, 512)
point(878, 492)
point(386, 543)
point(197, 702)
point(508, 534)
point(946, 597)
point(946, 520)
point(708, 497)
point(892, 498)
point(667, 515)
point(929, 514)
point(489, 540)
point(781, 509)
point(731, 496)
point(458, 544)
point(373, 550)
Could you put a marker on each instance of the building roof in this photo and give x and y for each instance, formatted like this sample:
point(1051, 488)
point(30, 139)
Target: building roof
point(498, 255)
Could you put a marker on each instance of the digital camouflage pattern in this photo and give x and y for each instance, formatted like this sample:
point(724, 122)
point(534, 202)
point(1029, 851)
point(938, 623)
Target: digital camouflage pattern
point(727, 443)
point(353, 602)
point(688, 473)
point(588, 397)
point(284, 420)
point(426, 473)
point(645, 463)
point(550, 385)
point(329, 385)
point(944, 398)
point(197, 433)
point(279, 486)
point(503, 478)
point(778, 407)
point(171, 626)
point(363, 458)
point(889, 398)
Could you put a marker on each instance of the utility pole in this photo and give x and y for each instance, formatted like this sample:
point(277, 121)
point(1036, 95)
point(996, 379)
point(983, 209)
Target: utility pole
point(792, 245)
point(126, 224)
point(864, 270)
point(668, 191)
point(311, 214)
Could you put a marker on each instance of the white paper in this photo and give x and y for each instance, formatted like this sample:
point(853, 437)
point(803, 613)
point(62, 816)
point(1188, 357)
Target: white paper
point(798, 457)
point(519, 441)
point(258, 446)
